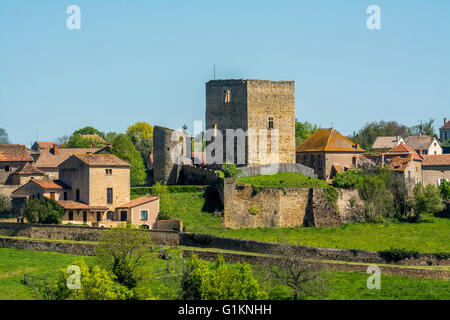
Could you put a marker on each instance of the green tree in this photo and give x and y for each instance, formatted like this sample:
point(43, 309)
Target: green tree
point(95, 284)
point(123, 147)
point(445, 189)
point(426, 128)
point(230, 170)
point(141, 134)
point(303, 130)
point(43, 210)
point(124, 251)
point(427, 199)
point(77, 140)
point(5, 204)
point(3, 136)
point(218, 281)
point(89, 130)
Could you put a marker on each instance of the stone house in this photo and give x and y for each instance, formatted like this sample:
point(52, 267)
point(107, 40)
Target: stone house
point(25, 173)
point(424, 144)
point(263, 109)
point(328, 152)
point(94, 189)
point(12, 157)
point(386, 143)
point(436, 168)
point(444, 132)
point(52, 155)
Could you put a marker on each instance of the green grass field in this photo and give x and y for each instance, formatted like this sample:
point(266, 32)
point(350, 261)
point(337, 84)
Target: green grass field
point(14, 263)
point(283, 180)
point(430, 235)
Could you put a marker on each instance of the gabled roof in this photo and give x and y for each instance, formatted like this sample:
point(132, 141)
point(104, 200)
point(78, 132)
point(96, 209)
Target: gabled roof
point(14, 152)
point(328, 140)
point(403, 149)
point(28, 168)
point(75, 205)
point(436, 160)
point(101, 160)
point(48, 159)
point(419, 142)
point(43, 145)
point(386, 142)
point(138, 201)
point(399, 163)
point(51, 184)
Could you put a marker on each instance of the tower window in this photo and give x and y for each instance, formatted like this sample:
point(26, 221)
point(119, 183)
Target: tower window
point(109, 195)
point(270, 123)
point(215, 129)
point(226, 95)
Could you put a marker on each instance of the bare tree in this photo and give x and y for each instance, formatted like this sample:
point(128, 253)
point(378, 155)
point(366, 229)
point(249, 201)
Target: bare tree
point(290, 268)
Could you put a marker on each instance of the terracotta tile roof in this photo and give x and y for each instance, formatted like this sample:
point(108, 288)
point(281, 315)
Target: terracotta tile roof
point(49, 160)
point(386, 142)
point(436, 160)
point(101, 160)
point(51, 184)
point(328, 140)
point(28, 168)
point(419, 142)
point(446, 125)
point(403, 149)
point(399, 163)
point(44, 144)
point(138, 201)
point(14, 152)
point(75, 205)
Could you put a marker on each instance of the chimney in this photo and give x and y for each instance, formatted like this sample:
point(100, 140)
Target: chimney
point(55, 149)
point(445, 121)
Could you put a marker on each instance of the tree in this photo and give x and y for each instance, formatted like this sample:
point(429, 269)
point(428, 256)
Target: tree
point(290, 269)
point(95, 284)
point(124, 251)
point(88, 130)
point(43, 210)
point(62, 140)
point(123, 147)
point(78, 140)
point(3, 136)
point(303, 130)
point(5, 203)
point(230, 170)
point(219, 281)
point(445, 189)
point(427, 199)
point(426, 128)
point(141, 134)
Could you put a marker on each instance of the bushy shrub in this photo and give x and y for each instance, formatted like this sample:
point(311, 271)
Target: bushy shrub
point(350, 179)
point(5, 204)
point(160, 189)
point(427, 199)
point(230, 170)
point(396, 255)
point(445, 189)
point(205, 281)
point(43, 210)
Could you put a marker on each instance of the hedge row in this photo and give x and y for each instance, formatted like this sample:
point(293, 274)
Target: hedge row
point(142, 191)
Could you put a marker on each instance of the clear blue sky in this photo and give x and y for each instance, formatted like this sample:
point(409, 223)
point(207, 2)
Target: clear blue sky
point(149, 61)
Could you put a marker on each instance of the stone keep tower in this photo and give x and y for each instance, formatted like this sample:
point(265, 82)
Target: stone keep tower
point(254, 104)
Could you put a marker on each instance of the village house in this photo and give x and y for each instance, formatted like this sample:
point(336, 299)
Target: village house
point(436, 168)
point(424, 144)
point(13, 157)
point(94, 189)
point(386, 143)
point(444, 133)
point(51, 155)
point(328, 152)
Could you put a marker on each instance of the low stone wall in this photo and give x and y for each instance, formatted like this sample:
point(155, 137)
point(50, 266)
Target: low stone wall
point(277, 168)
point(84, 249)
point(193, 175)
point(173, 225)
point(74, 233)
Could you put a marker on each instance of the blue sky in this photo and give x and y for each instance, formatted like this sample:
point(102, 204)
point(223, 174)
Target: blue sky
point(149, 61)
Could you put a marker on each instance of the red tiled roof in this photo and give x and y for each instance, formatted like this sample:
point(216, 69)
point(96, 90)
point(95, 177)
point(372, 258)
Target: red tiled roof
point(48, 159)
point(101, 160)
point(399, 163)
point(28, 168)
point(44, 144)
point(328, 140)
point(403, 149)
point(138, 201)
point(75, 205)
point(446, 125)
point(436, 160)
point(14, 152)
point(51, 184)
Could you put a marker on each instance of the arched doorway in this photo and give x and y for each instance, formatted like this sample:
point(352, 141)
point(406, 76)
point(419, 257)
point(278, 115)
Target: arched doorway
point(110, 215)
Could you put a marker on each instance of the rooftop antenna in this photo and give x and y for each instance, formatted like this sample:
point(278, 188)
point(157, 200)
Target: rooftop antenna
point(421, 128)
point(214, 72)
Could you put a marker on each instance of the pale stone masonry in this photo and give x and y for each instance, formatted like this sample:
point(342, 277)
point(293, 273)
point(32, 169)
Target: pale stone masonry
point(253, 104)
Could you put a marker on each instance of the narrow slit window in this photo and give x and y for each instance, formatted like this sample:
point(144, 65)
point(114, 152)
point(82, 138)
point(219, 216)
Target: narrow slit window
point(270, 123)
point(226, 95)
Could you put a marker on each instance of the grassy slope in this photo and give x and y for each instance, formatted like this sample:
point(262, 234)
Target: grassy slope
point(342, 285)
point(283, 180)
point(430, 235)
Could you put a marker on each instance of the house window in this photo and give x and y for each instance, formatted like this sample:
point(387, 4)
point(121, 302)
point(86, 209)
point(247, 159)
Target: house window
point(144, 214)
point(123, 216)
point(270, 123)
point(109, 195)
point(108, 172)
point(70, 215)
point(319, 162)
point(305, 160)
point(52, 195)
point(39, 196)
point(77, 195)
point(226, 95)
point(110, 215)
point(84, 216)
point(99, 216)
point(6, 168)
point(354, 162)
point(65, 195)
point(313, 165)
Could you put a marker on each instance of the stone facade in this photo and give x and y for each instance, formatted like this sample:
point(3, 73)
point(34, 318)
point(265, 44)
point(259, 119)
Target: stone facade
point(252, 104)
